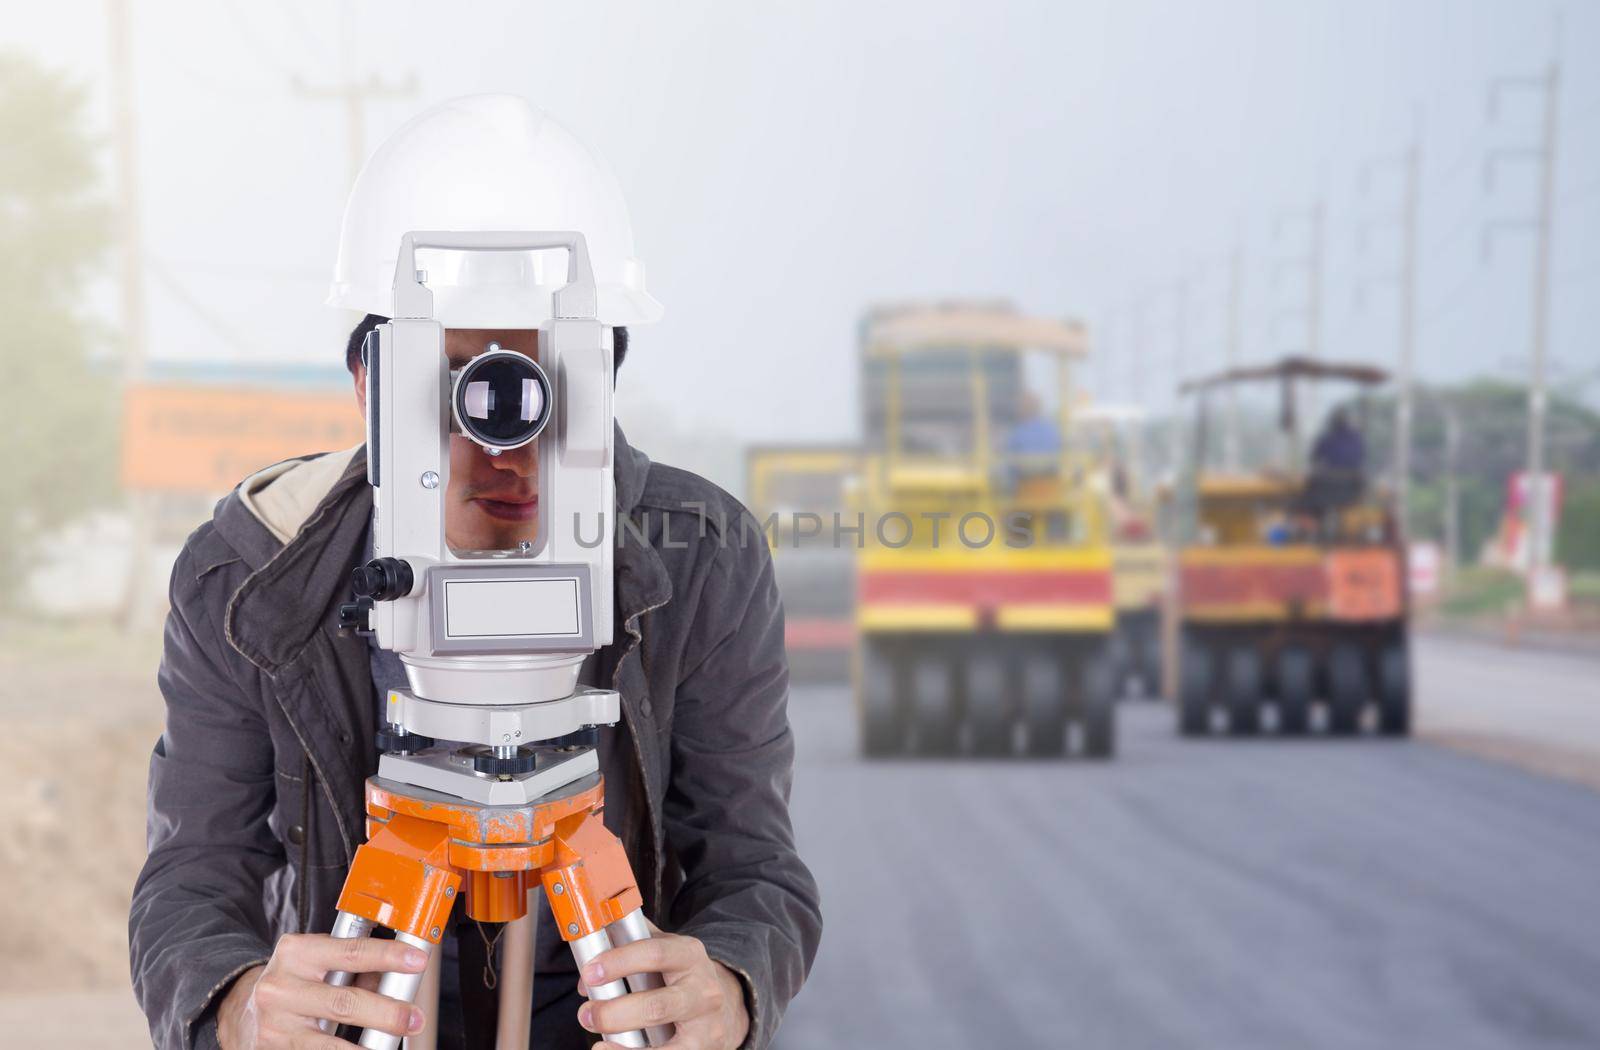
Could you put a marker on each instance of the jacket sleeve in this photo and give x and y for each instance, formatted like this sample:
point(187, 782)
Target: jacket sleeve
point(197, 920)
point(746, 894)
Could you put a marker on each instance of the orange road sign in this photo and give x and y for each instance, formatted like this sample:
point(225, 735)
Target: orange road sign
point(1365, 584)
point(206, 439)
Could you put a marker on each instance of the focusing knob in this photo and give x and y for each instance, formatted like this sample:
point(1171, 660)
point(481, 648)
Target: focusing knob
point(353, 616)
point(382, 579)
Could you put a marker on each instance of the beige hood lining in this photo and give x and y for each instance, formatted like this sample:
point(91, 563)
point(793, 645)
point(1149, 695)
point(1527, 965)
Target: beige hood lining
point(283, 495)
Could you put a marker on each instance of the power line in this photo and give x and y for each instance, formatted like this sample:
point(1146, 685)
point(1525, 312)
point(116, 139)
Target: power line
point(1230, 433)
point(297, 19)
point(247, 270)
point(1312, 262)
point(1572, 273)
point(1584, 113)
point(207, 317)
point(1462, 163)
point(212, 87)
point(1448, 300)
point(1462, 225)
point(253, 41)
point(1592, 186)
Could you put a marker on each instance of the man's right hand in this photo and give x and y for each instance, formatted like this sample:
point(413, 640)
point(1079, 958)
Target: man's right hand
point(279, 1004)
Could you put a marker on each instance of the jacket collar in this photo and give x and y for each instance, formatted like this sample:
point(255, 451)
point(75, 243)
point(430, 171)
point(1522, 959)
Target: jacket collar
point(641, 579)
point(281, 605)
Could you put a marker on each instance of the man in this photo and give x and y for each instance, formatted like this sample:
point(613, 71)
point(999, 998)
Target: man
point(1334, 481)
point(1032, 445)
point(1339, 449)
point(1034, 435)
point(256, 802)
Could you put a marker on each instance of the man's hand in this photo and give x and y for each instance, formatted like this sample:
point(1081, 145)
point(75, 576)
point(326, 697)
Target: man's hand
point(702, 997)
point(278, 1005)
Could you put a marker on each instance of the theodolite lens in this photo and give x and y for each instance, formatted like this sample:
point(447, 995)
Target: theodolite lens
point(502, 399)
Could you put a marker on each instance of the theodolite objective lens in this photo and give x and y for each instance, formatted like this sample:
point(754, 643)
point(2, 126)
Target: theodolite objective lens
point(501, 399)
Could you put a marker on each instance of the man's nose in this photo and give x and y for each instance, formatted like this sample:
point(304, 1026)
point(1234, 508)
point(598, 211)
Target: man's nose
point(523, 462)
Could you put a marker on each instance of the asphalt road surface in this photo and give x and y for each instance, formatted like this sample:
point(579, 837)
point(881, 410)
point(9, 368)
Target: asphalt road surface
point(1280, 894)
point(1540, 710)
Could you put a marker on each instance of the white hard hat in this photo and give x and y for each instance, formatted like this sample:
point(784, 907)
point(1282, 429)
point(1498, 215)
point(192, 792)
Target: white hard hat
point(487, 163)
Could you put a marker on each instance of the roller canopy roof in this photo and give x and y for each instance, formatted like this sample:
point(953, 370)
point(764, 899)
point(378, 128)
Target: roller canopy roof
point(1292, 368)
point(978, 325)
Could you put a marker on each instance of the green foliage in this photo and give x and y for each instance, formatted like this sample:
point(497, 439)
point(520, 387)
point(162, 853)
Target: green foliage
point(1578, 539)
point(1482, 591)
point(1583, 588)
point(58, 409)
point(1493, 416)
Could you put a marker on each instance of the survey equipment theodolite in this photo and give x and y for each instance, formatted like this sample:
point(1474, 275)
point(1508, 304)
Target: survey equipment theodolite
point(480, 794)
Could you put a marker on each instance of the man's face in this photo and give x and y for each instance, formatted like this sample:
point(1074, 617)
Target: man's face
point(492, 502)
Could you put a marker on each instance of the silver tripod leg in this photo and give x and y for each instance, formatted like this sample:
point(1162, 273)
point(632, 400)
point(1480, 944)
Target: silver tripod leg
point(584, 949)
point(633, 927)
point(347, 926)
point(428, 999)
point(516, 978)
point(401, 986)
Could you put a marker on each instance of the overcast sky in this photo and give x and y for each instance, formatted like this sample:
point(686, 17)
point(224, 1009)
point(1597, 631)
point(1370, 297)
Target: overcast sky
point(788, 164)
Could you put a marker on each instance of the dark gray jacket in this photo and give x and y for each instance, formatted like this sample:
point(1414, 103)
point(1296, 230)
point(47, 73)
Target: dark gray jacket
point(256, 783)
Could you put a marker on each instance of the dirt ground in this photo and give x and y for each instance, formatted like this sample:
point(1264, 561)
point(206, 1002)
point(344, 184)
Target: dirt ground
point(79, 712)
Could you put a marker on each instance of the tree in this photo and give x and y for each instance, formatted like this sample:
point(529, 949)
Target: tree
point(58, 411)
point(1578, 538)
point(1494, 445)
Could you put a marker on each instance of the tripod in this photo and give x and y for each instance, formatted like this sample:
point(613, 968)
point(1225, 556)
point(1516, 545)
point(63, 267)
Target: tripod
point(425, 848)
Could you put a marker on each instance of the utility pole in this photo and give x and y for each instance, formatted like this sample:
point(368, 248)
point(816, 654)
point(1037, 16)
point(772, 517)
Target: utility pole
point(1230, 430)
point(1452, 500)
point(354, 96)
point(1408, 334)
point(1180, 330)
point(1539, 531)
point(1312, 264)
point(130, 280)
point(1136, 350)
point(1180, 370)
point(1314, 284)
point(1105, 345)
point(1410, 162)
point(1539, 491)
point(125, 154)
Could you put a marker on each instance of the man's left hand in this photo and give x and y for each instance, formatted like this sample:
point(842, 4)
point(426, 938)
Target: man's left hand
point(702, 997)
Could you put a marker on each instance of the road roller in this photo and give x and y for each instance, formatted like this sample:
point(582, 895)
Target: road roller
point(984, 606)
point(1289, 574)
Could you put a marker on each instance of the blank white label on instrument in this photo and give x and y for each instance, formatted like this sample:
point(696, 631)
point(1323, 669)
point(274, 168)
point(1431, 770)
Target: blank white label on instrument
point(528, 608)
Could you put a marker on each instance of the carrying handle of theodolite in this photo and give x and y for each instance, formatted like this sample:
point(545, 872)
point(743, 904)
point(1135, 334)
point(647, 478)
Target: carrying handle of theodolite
point(576, 299)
